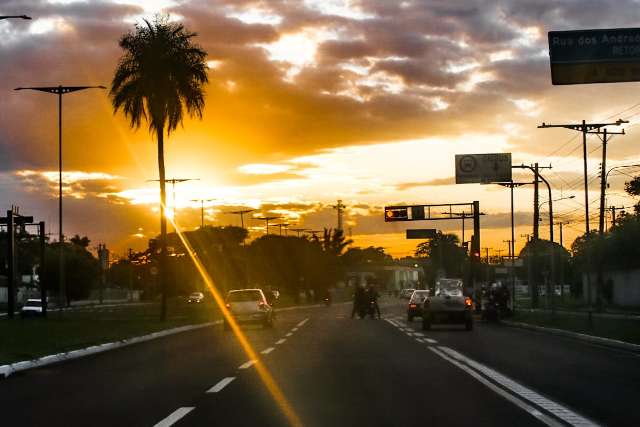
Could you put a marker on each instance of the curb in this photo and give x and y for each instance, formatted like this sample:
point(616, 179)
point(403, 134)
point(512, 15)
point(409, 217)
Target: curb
point(6, 370)
point(607, 342)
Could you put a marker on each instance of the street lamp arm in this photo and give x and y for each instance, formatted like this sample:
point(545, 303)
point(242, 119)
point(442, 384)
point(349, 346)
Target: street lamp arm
point(16, 17)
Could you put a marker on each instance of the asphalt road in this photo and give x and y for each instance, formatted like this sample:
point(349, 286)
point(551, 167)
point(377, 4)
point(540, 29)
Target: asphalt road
point(335, 371)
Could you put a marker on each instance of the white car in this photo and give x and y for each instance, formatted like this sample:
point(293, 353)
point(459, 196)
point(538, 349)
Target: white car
point(249, 306)
point(33, 307)
point(196, 297)
point(448, 305)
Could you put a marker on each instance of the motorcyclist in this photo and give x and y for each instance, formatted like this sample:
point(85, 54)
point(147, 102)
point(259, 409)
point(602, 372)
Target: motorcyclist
point(372, 298)
point(359, 299)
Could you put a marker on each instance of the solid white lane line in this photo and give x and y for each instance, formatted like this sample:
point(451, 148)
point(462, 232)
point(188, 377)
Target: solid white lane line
point(280, 341)
point(511, 398)
point(430, 341)
point(558, 410)
point(221, 384)
point(303, 322)
point(267, 350)
point(175, 416)
point(289, 334)
point(246, 365)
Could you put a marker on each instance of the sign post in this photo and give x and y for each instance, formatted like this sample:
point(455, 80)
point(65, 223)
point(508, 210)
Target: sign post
point(594, 56)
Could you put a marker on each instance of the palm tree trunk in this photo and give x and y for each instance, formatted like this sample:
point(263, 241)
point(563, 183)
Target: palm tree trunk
point(162, 273)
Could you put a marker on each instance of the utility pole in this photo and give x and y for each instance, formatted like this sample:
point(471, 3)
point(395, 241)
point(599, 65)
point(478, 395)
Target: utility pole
point(463, 216)
point(536, 204)
point(603, 174)
point(202, 201)
point(508, 242)
point(486, 251)
point(42, 273)
point(59, 90)
point(340, 208)
point(585, 128)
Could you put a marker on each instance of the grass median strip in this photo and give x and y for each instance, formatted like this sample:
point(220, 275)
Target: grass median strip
point(27, 339)
point(627, 330)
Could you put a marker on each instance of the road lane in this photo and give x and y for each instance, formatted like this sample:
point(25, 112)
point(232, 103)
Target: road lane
point(598, 382)
point(134, 386)
point(334, 370)
point(344, 372)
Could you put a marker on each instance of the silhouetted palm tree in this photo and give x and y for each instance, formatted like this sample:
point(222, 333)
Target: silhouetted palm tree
point(160, 74)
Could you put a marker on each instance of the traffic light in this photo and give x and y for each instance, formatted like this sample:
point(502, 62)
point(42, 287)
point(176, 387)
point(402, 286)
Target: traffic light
point(396, 214)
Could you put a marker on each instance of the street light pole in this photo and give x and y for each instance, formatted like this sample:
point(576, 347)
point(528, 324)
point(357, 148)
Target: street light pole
point(60, 90)
point(202, 209)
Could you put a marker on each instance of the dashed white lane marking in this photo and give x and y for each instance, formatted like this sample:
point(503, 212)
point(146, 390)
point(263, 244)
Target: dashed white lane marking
point(221, 384)
point(430, 341)
point(175, 416)
point(267, 350)
point(294, 329)
point(303, 322)
point(246, 365)
point(418, 334)
point(558, 410)
point(289, 334)
point(281, 341)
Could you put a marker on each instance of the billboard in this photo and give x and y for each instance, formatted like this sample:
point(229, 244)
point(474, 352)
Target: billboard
point(483, 168)
point(594, 56)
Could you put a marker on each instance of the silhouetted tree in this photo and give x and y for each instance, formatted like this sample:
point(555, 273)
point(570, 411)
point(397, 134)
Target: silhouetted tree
point(160, 74)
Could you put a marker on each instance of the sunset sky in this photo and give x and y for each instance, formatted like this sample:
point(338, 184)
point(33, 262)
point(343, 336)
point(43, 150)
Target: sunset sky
point(310, 101)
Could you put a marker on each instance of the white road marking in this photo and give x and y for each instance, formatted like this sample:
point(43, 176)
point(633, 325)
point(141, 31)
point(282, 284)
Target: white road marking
point(303, 322)
point(267, 350)
point(430, 341)
point(420, 340)
point(246, 365)
point(281, 341)
point(294, 329)
point(221, 384)
point(419, 334)
point(289, 334)
point(175, 416)
point(518, 402)
point(525, 393)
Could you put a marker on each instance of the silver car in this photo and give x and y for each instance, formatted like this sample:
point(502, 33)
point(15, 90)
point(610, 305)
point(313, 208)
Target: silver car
point(249, 306)
point(447, 305)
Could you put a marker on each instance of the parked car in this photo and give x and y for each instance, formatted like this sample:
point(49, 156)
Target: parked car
point(447, 305)
point(414, 308)
point(196, 298)
point(406, 293)
point(249, 306)
point(33, 307)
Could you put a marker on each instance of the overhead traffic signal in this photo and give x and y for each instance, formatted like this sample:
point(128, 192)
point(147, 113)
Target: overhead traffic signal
point(396, 214)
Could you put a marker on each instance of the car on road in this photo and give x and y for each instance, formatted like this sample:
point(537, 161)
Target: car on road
point(406, 293)
point(414, 308)
point(249, 306)
point(195, 298)
point(448, 305)
point(32, 307)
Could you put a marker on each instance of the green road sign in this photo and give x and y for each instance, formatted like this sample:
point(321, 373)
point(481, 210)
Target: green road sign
point(594, 56)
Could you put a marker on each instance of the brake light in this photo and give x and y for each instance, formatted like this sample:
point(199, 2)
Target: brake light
point(261, 305)
point(467, 302)
point(228, 305)
point(412, 306)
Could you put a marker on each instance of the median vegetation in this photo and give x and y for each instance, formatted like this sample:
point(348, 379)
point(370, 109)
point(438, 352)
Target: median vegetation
point(26, 339)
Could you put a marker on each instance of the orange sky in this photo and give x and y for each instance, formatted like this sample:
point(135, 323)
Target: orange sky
point(308, 102)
